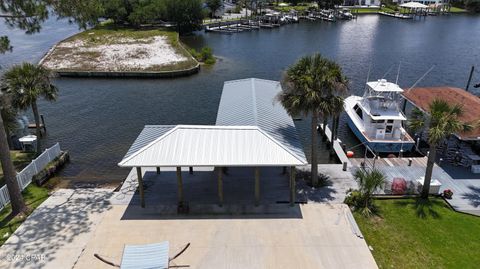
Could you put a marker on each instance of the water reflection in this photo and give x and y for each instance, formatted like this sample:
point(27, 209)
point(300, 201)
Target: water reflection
point(98, 119)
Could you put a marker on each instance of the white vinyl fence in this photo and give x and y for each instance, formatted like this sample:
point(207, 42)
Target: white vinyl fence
point(24, 178)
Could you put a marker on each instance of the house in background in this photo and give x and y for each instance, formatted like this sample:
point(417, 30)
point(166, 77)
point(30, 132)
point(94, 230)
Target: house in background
point(425, 2)
point(228, 5)
point(368, 3)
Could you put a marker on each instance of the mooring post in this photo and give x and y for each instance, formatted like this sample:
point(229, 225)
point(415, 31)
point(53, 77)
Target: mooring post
point(470, 78)
point(43, 122)
point(158, 170)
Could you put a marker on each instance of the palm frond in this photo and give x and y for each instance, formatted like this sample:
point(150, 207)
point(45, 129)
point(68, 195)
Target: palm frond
point(28, 82)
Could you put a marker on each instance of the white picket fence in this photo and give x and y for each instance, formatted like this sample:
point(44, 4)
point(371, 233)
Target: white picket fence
point(24, 178)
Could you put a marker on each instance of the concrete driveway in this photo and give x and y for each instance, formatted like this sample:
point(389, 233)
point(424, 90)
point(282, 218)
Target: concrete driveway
point(321, 238)
point(72, 225)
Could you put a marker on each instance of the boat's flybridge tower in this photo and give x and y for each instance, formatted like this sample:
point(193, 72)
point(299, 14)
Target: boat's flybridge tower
point(382, 97)
point(382, 115)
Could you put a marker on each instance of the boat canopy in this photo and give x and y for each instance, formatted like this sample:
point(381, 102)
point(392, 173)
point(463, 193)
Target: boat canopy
point(413, 5)
point(382, 85)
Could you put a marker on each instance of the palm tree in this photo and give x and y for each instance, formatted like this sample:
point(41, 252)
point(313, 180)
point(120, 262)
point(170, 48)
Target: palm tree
point(214, 6)
point(309, 90)
point(368, 183)
point(16, 198)
point(26, 83)
point(441, 121)
point(9, 115)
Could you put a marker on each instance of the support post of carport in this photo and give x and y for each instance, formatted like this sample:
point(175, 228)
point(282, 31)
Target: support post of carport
point(257, 186)
point(140, 186)
point(179, 185)
point(220, 186)
point(292, 186)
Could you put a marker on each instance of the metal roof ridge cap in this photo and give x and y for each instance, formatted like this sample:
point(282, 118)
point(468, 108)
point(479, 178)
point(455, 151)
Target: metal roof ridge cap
point(158, 125)
point(251, 78)
point(236, 80)
point(148, 145)
point(304, 161)
point(230, 127)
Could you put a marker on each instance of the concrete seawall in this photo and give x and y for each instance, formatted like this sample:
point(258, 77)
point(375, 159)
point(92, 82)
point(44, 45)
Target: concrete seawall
point(132, 74)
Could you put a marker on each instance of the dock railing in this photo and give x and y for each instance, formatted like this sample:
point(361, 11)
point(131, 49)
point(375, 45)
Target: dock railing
point(24, 178)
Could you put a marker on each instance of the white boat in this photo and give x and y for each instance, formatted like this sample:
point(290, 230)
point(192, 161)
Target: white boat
point(345, 14)
point(376, 118)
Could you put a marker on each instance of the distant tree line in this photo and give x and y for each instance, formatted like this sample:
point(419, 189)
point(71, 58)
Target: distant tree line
point(472, 5)
point(28, 15)
point(186, 14)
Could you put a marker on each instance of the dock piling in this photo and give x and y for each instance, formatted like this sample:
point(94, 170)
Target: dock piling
point(470, 78)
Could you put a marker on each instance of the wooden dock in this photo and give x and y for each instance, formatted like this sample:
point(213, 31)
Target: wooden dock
point(336, 146)
point(42, 125)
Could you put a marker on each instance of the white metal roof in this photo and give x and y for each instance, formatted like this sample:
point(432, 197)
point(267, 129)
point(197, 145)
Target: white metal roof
point(383, 85)
point(203, 145)
point(252, 102)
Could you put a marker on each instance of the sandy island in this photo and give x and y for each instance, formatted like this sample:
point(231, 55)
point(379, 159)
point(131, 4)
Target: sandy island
point(104, 50)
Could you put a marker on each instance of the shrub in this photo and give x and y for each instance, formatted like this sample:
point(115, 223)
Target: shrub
point(205, 55)
point(361, 199)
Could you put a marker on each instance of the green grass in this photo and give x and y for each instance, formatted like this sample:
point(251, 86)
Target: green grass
point(457, 10)
point(364, 10)
point(294, 8)
point(414, 234)
point(33, 196)
point(20, 160)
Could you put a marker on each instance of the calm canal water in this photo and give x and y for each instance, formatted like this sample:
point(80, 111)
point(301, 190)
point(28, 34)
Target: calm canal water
point(98, 119)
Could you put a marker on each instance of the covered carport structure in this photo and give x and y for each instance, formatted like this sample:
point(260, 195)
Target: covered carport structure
point(252, 130)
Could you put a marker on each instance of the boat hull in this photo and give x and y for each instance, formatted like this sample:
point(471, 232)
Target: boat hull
point(379, 146)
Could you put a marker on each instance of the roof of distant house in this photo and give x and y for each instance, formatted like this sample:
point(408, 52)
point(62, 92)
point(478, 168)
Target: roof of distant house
point(422, 97)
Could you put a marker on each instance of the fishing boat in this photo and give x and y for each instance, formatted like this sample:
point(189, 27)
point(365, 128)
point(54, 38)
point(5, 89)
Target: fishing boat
point(376, 119)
